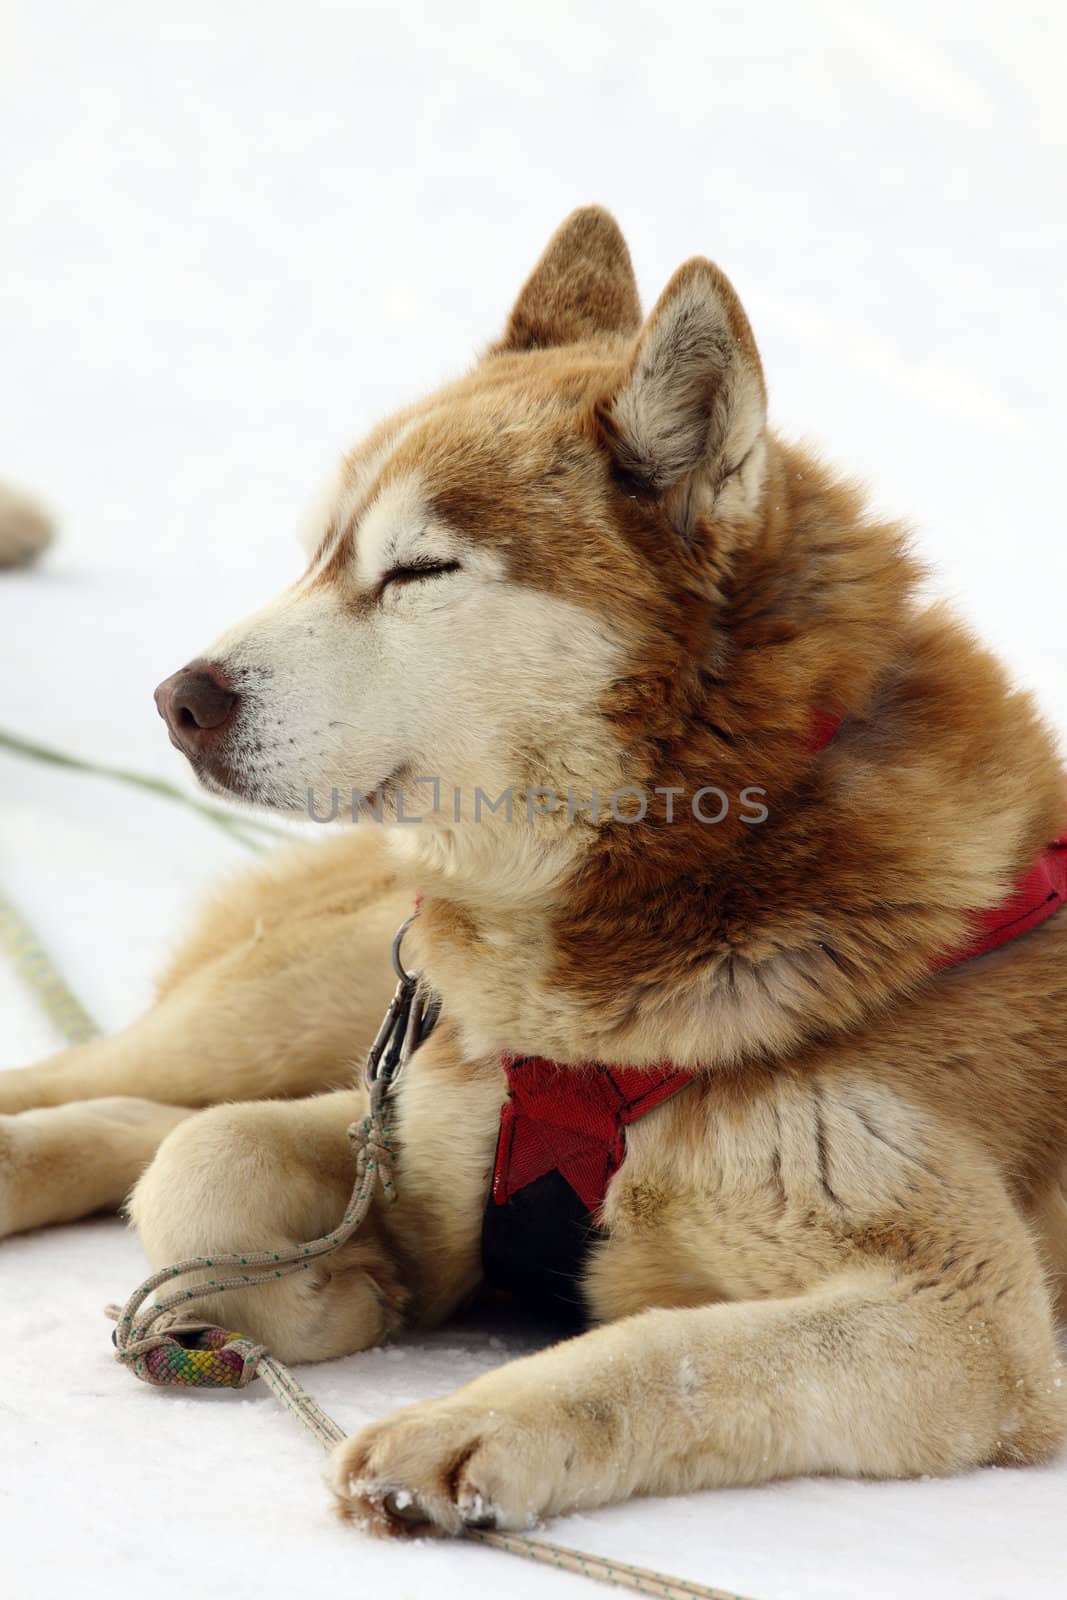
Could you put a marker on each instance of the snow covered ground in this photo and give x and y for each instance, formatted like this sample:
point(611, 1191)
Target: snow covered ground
point(233, 235)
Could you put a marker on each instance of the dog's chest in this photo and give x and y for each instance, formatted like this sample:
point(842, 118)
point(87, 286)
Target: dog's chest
point(725, 1191)
point(727, 1198)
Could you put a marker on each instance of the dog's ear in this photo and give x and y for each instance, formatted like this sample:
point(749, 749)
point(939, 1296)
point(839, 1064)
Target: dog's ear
point(691, 411)
point(582, 286)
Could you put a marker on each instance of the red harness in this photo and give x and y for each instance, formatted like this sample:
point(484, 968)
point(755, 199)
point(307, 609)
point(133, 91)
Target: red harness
point(567, 1125)
point(566, 1120)
point(573, 1121)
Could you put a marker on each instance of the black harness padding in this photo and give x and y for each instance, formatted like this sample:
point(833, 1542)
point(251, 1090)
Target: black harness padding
point(534, 1249)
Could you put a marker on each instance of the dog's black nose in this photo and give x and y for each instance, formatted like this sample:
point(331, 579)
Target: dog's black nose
point(198, 705)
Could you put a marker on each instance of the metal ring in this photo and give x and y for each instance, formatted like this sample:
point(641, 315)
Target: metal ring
point(398, 938)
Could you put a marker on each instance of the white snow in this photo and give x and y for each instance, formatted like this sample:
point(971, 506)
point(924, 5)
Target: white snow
point(233, 236)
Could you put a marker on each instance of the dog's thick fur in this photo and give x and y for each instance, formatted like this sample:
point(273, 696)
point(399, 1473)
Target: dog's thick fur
point(840, 1249)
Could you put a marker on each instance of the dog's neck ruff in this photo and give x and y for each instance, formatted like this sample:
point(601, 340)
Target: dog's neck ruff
point(563, 1128)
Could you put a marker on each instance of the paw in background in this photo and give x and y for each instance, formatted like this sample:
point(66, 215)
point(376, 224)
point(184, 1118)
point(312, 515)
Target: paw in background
point(25, 528)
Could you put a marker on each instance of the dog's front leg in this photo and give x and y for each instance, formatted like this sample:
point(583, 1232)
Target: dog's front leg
point(267, 1176)
point(880, 1373)
point(67, 1161)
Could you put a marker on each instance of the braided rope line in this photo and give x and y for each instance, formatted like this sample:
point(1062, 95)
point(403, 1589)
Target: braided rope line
point(252, 831)
point(38, 972)
point(163, 1348)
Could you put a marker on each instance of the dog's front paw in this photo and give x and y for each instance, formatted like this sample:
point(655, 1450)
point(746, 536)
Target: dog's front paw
point(445, 1466)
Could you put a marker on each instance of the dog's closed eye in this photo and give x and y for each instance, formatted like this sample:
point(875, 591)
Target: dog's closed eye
point(417, 570)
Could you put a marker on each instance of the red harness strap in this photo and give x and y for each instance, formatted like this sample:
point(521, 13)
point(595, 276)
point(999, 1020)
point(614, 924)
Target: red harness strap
point(1038, 893)
point(572, 1121)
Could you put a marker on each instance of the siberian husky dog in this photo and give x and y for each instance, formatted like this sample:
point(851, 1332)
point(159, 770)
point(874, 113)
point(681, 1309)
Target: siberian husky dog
point(715, 818)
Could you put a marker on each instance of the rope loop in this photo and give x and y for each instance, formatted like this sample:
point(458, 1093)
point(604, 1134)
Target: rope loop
point(162, 1345)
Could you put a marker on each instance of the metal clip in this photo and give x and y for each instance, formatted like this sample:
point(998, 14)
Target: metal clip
point(409, 1020)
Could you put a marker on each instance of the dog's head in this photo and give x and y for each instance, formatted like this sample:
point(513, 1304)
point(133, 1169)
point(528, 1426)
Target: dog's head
point(504, 580)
